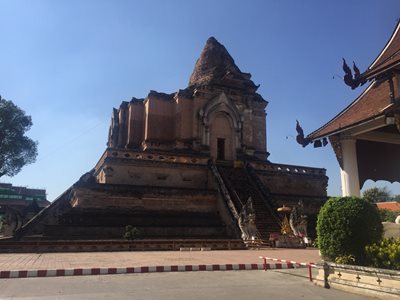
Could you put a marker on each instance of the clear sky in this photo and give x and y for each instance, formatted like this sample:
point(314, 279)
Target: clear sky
point(67, 63)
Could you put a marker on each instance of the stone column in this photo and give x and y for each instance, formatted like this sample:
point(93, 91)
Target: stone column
point(349, 171)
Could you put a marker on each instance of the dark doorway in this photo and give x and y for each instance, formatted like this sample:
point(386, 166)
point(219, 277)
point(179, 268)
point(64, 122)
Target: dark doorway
point(220, 149)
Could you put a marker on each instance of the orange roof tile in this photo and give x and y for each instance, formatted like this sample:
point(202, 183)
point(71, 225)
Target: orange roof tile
point(370, 104)
point(393, 206)
point(389, 56)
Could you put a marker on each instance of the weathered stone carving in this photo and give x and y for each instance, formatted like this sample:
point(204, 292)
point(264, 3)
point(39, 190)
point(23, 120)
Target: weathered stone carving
point(10, 222)
point(298, 221)
point(247, 221)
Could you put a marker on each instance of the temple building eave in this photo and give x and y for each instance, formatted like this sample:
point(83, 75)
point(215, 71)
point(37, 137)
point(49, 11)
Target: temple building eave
point(365, 136)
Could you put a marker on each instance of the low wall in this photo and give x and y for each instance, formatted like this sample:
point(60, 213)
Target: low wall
point(381, 283)
point(116, 245)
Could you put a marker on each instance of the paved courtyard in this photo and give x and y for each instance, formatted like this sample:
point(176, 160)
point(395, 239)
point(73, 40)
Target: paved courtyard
point(36, 261)
point(171, 286)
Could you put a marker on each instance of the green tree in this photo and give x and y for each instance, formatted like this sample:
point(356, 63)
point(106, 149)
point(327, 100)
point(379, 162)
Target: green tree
point(376, 194)
point(16, 149)
point(396, 198)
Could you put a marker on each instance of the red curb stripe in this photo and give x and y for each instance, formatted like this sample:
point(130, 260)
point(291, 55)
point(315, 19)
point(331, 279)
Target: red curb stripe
point(130, 270)
point(202, 268)
point(229, 267)
point(41, 273)
point(144, 269)
point(159, 269)
point(112, 271)
point(5, 274)
point(95, 271)
point(278, 266)
point(290, 266)
point(254, 266)
point(22, 274)
point(242, 267)
point(216, 267)
point(188, 268)
point(174, 268)
point(60, 272)
point(78, 271)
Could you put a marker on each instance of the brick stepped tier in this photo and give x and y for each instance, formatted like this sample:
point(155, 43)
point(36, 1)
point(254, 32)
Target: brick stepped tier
point(98, 224)
point(123, 217)
point(114, 232)
point(89, 211)
point(241, 187)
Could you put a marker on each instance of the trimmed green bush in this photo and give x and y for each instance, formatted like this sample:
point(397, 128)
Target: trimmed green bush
point(385, 254)
point(345, 226)
point(345, 260)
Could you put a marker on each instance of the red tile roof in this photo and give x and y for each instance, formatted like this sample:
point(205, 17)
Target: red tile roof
point(389, 56)
point(370, 104)
point(374, 100)
point(393, 206)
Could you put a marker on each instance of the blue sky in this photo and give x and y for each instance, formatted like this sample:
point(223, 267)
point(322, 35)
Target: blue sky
point(67, 63)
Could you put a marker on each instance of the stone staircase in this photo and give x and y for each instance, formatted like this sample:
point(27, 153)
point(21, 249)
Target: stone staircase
point(241, 186)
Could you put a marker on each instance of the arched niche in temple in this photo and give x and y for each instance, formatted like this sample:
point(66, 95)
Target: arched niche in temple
point(221, 128)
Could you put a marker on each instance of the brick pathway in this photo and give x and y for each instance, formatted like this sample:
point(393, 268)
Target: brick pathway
point(40, 261)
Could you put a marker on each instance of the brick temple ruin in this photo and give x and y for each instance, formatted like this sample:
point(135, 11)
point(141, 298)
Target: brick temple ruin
point(184, 166)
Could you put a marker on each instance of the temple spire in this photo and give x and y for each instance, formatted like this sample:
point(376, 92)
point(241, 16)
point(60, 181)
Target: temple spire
point(214, 64)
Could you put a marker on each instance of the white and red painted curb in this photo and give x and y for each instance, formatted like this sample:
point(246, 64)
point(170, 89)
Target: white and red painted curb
point(297, 264)
point(146, 269)
point(293, 264)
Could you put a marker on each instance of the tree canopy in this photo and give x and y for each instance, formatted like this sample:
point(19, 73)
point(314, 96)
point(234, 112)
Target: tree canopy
point(396, 198)
point(376, 194)
point(16, 149)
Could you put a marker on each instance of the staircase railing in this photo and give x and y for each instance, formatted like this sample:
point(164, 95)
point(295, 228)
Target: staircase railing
point(223, 189)
point(237, 201)
point(264, 193)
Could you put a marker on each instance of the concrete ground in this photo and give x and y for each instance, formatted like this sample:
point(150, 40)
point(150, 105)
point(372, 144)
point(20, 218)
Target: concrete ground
point(40, 261)
point(167, 286)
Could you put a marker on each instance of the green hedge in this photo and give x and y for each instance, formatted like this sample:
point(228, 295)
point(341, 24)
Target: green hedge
point(385, 254)
point(345, 226)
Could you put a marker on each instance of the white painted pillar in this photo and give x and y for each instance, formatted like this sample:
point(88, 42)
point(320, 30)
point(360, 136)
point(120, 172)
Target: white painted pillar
point(349, 172)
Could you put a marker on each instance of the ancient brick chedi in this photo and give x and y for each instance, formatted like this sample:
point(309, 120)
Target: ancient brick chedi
point(191, 164)
point(219, 113)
